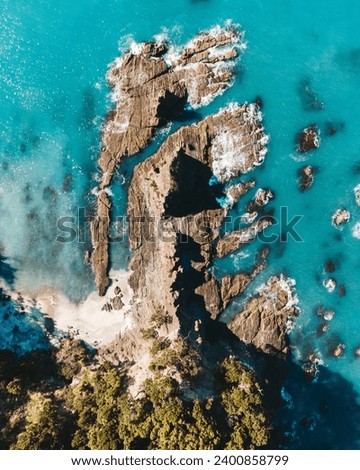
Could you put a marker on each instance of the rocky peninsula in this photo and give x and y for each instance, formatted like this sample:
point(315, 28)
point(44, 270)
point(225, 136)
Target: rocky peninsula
point(175, 217)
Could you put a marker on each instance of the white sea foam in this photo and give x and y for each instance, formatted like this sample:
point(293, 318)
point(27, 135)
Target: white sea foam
point(357, 194)
point(95, 191)
point(163, 37)
point(287, 285)
point(230, 152)
point(117, 127)
point(128, 44)
point(356, 231)
point(299, 157)
point(329, 315)
point(164, 131)
point(329, 285)
point(108, 191)
point(228, 157)
point(249, 217)
point(287, 398)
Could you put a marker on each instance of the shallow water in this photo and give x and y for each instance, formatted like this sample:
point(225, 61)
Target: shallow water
point(53, 60)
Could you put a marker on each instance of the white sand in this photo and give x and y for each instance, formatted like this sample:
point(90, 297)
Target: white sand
point(86, 320)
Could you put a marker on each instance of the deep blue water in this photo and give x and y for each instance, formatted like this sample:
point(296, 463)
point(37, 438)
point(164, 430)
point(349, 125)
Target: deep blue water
point(53, 59)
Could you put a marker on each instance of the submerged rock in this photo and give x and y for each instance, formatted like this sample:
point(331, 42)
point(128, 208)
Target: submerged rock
point(329, 266)
point(266, 318)
point(338, 351)
point(323, 328)
point(332, 128)
point(342, 290)
point(259, 101)
point(308, 139)
point(308, 96)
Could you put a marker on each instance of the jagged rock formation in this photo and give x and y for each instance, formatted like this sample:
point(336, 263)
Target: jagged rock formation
point(150, 89)
point(266, 318)
point(174, 216)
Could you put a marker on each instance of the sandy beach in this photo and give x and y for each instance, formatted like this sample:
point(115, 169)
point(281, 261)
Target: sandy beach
point(86, 320)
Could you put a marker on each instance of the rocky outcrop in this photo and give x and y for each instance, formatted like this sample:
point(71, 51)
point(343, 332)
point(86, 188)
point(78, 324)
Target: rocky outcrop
point(210, 291)
point(99, 236)
point(232, 241)
point(308, 139)
point(306, 177)
point(340, 217)
point(261, 198)
point(149, 89)
point(266, 318)
point(233, 286)
point(236, 191)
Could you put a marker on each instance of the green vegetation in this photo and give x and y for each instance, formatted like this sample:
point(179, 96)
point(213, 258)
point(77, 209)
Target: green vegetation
point(46, 426)
point(43, 408)
point(242, 402)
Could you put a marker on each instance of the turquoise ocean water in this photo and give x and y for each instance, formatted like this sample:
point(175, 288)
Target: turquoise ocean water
point(53, 59)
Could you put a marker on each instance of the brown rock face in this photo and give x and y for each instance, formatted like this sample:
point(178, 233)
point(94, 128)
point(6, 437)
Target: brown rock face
point(148, 92)
point(210, 291)
point(264, 321)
